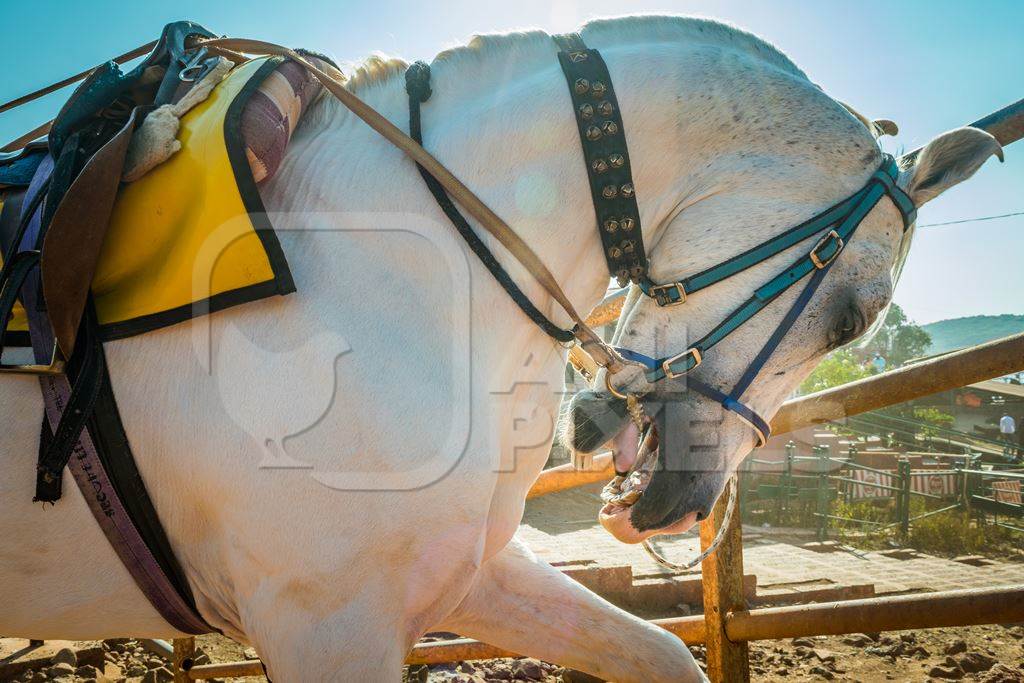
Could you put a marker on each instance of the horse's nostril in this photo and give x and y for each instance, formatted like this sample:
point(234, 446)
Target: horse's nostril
point(701, 515)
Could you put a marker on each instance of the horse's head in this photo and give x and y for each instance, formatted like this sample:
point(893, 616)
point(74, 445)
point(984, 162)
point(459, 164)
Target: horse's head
point(766, 162)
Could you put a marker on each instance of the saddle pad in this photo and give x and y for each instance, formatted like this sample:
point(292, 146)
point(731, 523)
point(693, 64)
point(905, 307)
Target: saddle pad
point(191, 236)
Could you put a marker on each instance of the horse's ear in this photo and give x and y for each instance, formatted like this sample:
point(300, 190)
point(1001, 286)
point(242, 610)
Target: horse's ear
point(886, 127)
point(949, 159)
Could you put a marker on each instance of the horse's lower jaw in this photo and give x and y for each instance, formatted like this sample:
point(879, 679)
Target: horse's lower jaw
point(616, 521)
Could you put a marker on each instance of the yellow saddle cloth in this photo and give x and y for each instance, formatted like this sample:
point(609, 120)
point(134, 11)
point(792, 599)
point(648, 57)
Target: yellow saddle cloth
point(191, 236)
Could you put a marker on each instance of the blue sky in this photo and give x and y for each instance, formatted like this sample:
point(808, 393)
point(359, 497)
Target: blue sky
point(928, 65)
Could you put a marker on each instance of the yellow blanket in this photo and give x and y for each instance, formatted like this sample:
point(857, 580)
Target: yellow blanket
point(191, 236)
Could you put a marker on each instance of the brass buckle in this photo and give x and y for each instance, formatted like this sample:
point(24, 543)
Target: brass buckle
point(56, 367)
point(583, 362)
point(678, 286)
point(611, 389)
point(816, 260)
point(666, 366)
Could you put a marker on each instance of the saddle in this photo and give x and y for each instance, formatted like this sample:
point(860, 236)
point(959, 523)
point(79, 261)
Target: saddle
point(139, 210)
point(233, 120)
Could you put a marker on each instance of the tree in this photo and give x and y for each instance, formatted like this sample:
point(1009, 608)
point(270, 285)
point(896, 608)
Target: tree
point(897, 340)
point(839, 367)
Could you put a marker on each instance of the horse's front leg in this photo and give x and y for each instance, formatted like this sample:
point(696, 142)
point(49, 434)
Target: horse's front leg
point(522, 604)
point(298, 643)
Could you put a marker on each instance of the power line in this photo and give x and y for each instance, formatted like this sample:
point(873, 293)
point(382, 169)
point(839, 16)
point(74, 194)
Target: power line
point(972, 220)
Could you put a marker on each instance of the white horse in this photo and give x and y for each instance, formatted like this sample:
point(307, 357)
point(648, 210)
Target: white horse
point(405, 490)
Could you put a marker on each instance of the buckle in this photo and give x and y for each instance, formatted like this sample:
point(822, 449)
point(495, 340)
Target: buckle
point(583, 362)
point(194, 69)
point(666, 365)
point(816, 260)
point(664, 299)
point(56, 367)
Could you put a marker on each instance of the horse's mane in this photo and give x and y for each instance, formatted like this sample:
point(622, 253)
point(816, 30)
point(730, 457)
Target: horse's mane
point(380, 68)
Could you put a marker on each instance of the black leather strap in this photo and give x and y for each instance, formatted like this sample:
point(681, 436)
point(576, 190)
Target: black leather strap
point(417, 85)
point(602, 136)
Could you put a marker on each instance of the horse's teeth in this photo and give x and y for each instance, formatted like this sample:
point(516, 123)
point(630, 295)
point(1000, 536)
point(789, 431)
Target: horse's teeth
point(612, 489)
point(629, 497)
point(623, 491)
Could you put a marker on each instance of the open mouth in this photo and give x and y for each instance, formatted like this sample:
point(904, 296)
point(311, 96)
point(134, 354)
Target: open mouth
point(625, 490)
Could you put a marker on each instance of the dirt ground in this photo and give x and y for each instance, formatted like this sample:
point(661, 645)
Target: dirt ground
point(986, 654)
point(989, 654)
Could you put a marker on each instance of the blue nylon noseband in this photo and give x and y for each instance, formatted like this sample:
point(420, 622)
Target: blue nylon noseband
point(840, 222)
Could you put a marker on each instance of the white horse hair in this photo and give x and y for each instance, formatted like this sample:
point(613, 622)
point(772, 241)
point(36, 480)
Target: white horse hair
point(401, 405)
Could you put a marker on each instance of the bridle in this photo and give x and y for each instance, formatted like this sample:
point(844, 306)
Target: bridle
point(604, 147)
point(602, 136)
point(838, 223)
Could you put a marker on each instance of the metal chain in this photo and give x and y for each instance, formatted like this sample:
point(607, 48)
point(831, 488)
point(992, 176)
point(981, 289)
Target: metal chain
point(719, 535)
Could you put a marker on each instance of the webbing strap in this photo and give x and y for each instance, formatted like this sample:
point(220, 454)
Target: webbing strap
point(668, 294)
point(675, 292)
point(823, 253)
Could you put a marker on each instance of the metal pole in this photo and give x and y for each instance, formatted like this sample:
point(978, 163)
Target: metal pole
point(823, 492)
point(903, 499)
point(1005, 125)
point(896, 613)
point(950, 371)
point(889, 613)
point(784, 483)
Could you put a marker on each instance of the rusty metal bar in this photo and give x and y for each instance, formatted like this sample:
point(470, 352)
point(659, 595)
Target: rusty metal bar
point(969, 607)
point(183, 655)
point(949, 371)
point(608, 310)
point(565, 477)
point(1005, 125)
point(225, 670)
point(722, 582)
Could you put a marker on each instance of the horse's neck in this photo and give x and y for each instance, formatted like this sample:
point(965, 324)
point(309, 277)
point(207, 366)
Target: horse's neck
point(511, 136)
point(694, 115)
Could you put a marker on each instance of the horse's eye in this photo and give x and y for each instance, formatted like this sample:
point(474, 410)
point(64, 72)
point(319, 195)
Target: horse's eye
point(850, 324)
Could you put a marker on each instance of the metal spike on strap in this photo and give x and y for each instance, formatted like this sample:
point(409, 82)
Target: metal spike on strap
point(602, 136)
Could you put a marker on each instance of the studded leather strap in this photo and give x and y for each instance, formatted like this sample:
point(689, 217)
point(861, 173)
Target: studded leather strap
point(604, 148)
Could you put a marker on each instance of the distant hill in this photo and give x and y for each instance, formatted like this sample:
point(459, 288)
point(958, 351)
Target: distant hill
point(957, 333)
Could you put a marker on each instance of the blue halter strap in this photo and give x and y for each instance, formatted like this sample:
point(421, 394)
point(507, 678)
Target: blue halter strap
point(838, 223)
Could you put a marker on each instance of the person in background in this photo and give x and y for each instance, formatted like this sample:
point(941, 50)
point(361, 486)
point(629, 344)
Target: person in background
point(1008, 427)
point(878, 363)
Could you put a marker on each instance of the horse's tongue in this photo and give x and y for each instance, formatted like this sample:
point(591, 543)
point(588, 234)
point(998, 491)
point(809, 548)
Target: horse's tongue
point(625, 447)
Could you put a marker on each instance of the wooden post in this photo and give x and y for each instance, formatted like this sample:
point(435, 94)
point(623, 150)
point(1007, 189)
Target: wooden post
point(722, 576)
point(184, 656)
